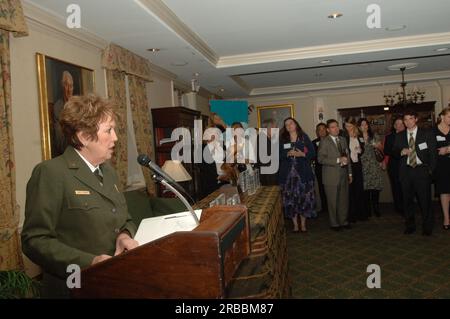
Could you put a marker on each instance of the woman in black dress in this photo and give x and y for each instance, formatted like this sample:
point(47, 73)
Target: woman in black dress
point(357, 210)
point(442, 173)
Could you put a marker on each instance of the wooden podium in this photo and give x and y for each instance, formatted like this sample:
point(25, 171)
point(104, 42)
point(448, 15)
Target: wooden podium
point(188, 264)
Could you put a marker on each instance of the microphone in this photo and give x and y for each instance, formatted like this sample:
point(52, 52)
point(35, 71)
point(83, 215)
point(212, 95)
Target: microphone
point(169, 182)
point(144, 160)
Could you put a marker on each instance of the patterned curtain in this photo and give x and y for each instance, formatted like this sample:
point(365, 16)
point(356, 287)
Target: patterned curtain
point(117, 93)
point(141, 123)
point(11, 20)
point(118, 62)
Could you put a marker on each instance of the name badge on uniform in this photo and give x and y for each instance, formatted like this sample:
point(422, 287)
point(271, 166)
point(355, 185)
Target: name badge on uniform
point(318, 143)
point(361, 140)
point(423, 146)
point(78, 192)
point(287, 146)
point(440, 138)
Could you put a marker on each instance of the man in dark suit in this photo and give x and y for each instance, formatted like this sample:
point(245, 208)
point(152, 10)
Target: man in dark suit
point(393, 164)
point(417, 149)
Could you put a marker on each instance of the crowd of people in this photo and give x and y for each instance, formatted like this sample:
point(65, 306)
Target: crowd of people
point(348, 162)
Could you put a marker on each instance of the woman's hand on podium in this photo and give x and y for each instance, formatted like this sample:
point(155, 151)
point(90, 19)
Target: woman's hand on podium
point(124, 242)
point(100, 258)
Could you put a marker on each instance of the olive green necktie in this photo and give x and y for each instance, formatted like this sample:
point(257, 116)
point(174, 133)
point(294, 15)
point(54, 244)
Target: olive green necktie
point(412, 146)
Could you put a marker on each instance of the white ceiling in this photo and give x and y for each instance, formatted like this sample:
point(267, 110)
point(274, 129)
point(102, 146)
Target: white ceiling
point(253, 47)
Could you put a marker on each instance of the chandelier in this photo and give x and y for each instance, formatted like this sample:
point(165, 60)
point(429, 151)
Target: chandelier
point(404, 97)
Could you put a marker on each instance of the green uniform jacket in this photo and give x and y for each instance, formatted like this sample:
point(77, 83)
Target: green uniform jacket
point(69, 216)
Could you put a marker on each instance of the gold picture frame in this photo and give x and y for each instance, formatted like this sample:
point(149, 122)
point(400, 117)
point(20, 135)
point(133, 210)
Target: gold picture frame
point(277, 112)
point(57, 81)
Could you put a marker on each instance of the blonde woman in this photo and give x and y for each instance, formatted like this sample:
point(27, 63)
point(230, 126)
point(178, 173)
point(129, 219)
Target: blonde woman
point(357, 209)
point(442, 172)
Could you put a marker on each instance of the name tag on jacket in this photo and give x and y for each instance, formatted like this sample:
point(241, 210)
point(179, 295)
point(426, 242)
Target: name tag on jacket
point(287, 146)
point(361, 140)
point(440, 138)
point(81, 192)
point(423, 146)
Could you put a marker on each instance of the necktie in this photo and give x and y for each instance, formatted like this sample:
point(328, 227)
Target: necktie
point(339, 146)
point(99, 176)
point(412, 146)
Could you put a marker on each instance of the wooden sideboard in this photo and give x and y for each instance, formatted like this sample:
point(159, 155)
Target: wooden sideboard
point(265, 272)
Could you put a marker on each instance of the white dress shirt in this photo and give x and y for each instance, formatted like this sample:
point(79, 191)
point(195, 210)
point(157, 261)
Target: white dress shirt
point(91, 167)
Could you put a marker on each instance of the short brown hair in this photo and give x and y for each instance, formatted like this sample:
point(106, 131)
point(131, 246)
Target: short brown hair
point(84, 113)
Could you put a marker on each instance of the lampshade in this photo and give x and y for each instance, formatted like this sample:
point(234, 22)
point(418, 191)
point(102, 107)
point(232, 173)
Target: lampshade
point(176, 170)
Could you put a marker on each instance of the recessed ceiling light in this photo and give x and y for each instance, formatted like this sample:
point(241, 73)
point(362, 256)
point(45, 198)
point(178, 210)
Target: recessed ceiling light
point(179, 63)
point(153, 50)
point(221, 90)
point(441, 49)
point(386, 108)
point(325, 61)
point(395, 27)
point(335, 15)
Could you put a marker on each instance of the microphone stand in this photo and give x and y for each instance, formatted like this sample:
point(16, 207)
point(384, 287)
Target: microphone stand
point(178, 194)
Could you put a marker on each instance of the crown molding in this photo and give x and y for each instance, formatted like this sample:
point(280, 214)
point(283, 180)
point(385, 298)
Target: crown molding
point(242, 84)
point(430, 76)
point(41, 19)
point(163, 14)
point(323, 51)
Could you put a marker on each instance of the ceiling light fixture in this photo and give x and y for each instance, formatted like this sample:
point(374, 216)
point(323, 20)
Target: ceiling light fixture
point(402, 97)
point(153, 50)
point(441, 49)
point(335, 15)
point(325, 61)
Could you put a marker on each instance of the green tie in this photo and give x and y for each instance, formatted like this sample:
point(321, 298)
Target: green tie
point(412, 146)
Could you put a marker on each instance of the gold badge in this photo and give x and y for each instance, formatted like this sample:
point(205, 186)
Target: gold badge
point(82, 192)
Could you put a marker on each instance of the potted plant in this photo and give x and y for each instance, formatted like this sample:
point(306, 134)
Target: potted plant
point(16, 284)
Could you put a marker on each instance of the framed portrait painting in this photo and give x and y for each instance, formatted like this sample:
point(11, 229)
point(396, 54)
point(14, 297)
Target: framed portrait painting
point(278, 113)
point(58, 81)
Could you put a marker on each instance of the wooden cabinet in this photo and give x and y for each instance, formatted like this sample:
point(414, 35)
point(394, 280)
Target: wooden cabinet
point(165, 120)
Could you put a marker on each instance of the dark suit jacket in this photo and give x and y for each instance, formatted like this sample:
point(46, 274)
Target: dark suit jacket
point(69, 217)
point(427, 155)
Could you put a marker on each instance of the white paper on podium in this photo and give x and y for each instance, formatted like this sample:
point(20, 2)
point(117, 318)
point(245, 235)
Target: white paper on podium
point(156, 227)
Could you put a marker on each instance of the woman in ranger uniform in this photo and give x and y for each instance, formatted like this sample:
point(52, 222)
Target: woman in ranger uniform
point(75, 213)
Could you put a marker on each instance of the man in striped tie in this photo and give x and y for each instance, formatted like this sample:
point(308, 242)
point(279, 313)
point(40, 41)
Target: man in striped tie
point(417, 149)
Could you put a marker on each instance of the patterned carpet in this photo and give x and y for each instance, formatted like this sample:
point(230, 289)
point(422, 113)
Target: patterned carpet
point(329, 264)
